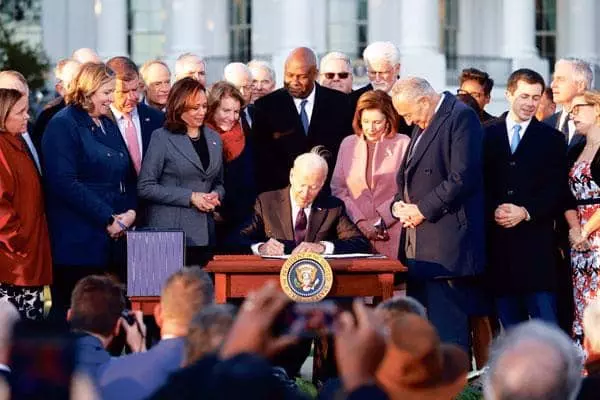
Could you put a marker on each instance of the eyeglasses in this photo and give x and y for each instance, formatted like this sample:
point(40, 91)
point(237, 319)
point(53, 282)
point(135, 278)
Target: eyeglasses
point(383, 74)
point(476, 95)
point(341, 75)
point(576, 108)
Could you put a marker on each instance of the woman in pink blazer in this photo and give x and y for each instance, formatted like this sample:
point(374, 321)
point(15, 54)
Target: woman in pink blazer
point(365, 172)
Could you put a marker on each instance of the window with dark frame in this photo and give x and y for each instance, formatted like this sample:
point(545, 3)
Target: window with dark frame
point(240, 30)
point(449, 22)
point(545, 30)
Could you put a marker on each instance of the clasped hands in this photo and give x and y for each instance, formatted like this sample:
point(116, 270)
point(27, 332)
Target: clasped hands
point(408, 214)
point(509, 215)
point(121, 223)
point(205, 202)
point(274, 247)
point(578, 239)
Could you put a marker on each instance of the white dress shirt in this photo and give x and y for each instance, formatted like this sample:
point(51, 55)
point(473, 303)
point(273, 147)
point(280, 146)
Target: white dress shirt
point(564, 115)
point(510, 125)
point(122, 124)
point(36, 157)
point(310, 104)
point(329, 247)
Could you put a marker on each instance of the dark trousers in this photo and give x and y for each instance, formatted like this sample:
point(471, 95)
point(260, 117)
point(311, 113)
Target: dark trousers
point(198, 255)
point(447, 303)
point(513, 310)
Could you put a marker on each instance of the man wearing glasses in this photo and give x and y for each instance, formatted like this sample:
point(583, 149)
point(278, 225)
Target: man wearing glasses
point(191, 65)
point(479, 85)
point(336, 72)
point(382, 60)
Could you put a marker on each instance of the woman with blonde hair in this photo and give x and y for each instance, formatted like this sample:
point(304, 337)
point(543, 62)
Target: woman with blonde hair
point(90, 185)
point(24, 244)
point(365, 172)
point(584, 213)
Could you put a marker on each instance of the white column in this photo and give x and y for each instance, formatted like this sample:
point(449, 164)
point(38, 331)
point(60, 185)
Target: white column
point(185, 28)
point(111, 28)
point(342, 26)
point(519, 36)
point(81, 25)
point(54, 29)
point(297, 24)
point(420, 42)
point(384, 20)
point(582, 30)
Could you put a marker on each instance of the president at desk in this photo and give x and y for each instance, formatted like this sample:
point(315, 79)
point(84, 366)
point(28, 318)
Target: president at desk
point(295, 219)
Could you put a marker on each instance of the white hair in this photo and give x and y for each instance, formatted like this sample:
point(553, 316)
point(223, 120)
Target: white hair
point(406, 304)
point(313, 160)
point(386, 51)
point(582, 70)
point(183, 59)
point(591, 325)
point(84, 55)
point(336, 55)
point(146, 66)
point(519, 363)
point(410, 88)
point(260, 64)
point(234, 69)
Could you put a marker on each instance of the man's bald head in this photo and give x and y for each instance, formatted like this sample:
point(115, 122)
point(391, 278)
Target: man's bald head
point(11, 79)
point(300, 72)
point(85, 55)
point(239, 75)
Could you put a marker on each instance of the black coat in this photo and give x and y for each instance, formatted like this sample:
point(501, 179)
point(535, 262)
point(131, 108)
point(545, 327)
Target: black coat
point(280, 138)
point(403, 127)
point(522, 259)
point(444, 179)
point(49, 111)
point(576, 141)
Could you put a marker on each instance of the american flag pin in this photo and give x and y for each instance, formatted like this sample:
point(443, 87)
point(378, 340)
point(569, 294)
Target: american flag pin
point(147, 119)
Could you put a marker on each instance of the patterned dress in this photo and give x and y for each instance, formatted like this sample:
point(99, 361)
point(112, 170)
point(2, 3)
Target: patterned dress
point(586, 265)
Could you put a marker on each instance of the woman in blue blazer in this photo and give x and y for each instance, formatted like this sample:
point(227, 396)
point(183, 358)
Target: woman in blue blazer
point(90, 184)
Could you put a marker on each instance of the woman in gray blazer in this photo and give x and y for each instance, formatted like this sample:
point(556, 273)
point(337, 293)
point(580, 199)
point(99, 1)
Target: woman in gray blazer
point(182, 173)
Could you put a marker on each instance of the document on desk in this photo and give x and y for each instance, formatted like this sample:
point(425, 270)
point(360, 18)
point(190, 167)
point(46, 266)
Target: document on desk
point(333, 256)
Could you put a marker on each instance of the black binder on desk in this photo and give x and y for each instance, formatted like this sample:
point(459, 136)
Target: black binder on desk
point(152, 256)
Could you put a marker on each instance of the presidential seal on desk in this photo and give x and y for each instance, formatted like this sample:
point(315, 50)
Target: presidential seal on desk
point(306, 277)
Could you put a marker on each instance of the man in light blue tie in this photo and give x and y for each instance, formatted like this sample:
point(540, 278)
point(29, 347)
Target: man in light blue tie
point(525, 174)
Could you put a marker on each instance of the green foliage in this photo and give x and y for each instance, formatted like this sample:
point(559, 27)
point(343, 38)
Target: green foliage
point(20, 56)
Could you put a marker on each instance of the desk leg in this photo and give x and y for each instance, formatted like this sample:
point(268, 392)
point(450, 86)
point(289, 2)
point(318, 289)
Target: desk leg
point(387, 285)
point(222, 289)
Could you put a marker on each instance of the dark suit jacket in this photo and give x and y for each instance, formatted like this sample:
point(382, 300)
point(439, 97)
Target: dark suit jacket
point(150, 120)
point(554, 121)
point(170, 173)
point(403, 127)
point(523, 259)
point(88, 178)
point(138, 375)
point(90, 355)
point(327, 222)
point(444, 179)
point(51, 109)
point(280, 137)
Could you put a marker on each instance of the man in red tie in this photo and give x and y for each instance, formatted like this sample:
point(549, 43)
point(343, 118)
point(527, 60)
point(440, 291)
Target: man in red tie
point(296, 219)
point(136, 120)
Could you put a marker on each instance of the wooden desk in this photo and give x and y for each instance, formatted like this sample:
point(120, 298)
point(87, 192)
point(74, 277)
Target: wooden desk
point(236, 276)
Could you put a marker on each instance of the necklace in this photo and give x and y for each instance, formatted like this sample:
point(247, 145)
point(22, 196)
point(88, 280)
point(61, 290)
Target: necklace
point(195, 138)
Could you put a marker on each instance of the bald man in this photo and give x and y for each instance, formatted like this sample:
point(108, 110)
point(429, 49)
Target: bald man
point(296, 219)
point(64, 73)
point(239, 75)
point(85, 55)
point(292, 120)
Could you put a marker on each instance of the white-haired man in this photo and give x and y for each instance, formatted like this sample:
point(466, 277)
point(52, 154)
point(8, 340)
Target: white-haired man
point(382, 60)
point(440, 200)
point(64, 72)
point(534, 360)
point(282, 217)
point(190, 65)
point(85, 55)
point(239, 75)
point(263, 78)
point(157, 83)
point(335, 72)
point(571, 78)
